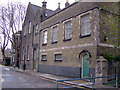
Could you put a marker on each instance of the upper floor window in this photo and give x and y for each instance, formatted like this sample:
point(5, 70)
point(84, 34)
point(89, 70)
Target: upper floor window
point(28, 56)
point(36, 28)
point(23, 54)
point(29, 26)
point(68, 31)
point(24, 30)
point(85, 25)
point(45, 37)
point(54, 34)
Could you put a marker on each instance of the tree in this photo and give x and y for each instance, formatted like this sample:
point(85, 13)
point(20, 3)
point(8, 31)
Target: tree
point(12, 17)
point(110, 22)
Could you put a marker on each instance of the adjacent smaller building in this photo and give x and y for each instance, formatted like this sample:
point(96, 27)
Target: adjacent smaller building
point(15, 50)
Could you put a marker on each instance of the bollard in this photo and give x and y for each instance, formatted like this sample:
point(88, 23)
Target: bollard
point(116, 81)
point(56, 85)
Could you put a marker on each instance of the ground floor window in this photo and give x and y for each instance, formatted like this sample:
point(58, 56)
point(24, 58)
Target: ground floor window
point(44, 58)
point(58, 57)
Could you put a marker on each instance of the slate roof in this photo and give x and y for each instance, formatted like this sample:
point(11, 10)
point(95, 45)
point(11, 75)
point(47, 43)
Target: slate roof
point(48, 11)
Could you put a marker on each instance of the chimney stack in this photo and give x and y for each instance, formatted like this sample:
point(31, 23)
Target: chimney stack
point(59, 5)
point(67, 3)
point(44, 8)
point(58, 9)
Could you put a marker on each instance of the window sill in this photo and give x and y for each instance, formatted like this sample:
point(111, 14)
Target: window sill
point(67, 40)
point(43, 60)
point(54, 42)
point(82, 36)
point(57, 60)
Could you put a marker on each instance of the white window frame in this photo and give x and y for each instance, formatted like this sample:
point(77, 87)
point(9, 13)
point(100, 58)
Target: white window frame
point(28, 56)
point(24, 30)
point(84, 32)
point(29, 26)
point(55, 32)
point(23, 57)
point(42, 57)
point(23, 54)
point(45, 35)
point(56, 58)
point(68, 30)
point(36, 28)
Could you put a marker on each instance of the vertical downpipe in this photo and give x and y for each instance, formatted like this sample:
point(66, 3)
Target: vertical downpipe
point(39, 49)
point(93, 82)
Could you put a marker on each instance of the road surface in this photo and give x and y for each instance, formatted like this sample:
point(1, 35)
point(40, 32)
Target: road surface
point(13, 79)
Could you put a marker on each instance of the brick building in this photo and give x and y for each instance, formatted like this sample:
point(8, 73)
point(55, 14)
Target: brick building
point(64, 42)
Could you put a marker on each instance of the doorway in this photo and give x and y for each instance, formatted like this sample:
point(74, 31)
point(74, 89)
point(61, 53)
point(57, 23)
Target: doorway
point(85, 66)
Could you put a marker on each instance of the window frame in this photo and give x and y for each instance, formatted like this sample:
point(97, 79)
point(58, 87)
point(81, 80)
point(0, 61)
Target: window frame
point(36, 28)
point(24, 30)
point(30, 25)
point(23, 54)
point(83, 15)
point(28, 54)
point(45, 43)
point(59, 60)
point(42, 57)
point(53, 33)
point(69, 38)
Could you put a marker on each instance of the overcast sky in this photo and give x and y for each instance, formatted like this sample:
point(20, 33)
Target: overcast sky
point(51, 4)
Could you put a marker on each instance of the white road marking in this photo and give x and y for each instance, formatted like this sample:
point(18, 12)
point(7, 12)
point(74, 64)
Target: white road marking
point(1, 80)
point(7, 69)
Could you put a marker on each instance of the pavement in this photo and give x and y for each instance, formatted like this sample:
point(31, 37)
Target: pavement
point(77, 83)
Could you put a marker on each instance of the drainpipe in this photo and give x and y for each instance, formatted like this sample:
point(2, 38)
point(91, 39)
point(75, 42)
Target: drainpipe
point(39, 49)
point(24, 66)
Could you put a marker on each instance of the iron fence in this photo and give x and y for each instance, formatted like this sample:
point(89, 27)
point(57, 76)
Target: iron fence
point(91, 79)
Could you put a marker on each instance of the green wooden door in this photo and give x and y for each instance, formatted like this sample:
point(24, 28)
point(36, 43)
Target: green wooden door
point(85, 65)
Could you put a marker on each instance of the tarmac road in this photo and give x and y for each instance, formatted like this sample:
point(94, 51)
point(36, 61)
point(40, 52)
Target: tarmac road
point(13, 79)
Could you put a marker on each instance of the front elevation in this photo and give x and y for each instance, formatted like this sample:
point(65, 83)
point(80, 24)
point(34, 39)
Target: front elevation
point(68, 42)
point(68, 47)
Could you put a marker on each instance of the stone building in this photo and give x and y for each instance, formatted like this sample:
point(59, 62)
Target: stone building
point(1, 58)
point(64, 42)
point(30, 34)
point(15, 49)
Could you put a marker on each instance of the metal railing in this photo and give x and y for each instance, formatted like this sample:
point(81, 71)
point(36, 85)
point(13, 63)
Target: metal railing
point(90, 78)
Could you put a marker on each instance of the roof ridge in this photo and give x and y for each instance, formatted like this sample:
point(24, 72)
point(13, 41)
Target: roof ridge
point(41, 7)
